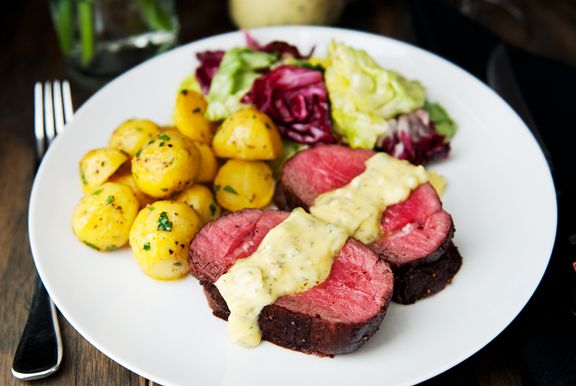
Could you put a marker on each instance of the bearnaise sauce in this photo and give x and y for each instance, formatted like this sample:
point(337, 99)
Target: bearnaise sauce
point(298, 253)
point(359, 205)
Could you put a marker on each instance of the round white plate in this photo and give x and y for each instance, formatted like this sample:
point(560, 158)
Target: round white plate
point(500, 194)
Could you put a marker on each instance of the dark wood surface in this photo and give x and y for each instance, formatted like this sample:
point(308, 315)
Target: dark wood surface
point(29, 52)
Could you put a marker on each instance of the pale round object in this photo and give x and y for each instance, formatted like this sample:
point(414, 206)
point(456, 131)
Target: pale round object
point(260, 13)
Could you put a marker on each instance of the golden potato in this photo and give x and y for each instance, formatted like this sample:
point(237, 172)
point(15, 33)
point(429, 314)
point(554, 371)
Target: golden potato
point(201, 199)
point(132, 134)
point(124, 176)
point(98, 165)
point(103, 218)
point(208, 163)
point(243, 184)
point(168, 163)
point(189, 116)
point(248, 134)
point(160, 237)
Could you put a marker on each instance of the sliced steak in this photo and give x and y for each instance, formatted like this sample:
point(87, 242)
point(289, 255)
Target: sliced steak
point(335, 317)
point(416, 233)
point(318, 170)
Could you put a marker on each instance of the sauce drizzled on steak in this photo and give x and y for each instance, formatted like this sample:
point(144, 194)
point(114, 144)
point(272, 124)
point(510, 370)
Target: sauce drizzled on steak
point(335, 317)
point(416, 233)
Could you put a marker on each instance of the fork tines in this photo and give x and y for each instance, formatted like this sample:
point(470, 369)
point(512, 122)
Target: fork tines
point(52, 110)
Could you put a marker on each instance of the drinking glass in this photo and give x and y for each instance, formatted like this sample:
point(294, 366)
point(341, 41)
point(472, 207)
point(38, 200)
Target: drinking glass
point(102, 38)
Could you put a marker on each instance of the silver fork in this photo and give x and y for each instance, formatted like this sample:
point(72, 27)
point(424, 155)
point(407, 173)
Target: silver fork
point(39, 351)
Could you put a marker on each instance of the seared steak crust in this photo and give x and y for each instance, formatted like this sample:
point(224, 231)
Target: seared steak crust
point(416, 281)
point(301, 332)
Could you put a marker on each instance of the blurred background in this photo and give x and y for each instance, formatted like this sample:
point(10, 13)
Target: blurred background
point(29, 39)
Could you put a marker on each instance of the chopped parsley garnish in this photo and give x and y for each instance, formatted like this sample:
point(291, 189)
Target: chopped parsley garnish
point(91, 245)
point(308, 65)
point(177, 264)
point(230, 189)
point(164, 224)
point(111, 248)
point(109, 200)
point(97, 192)
point(138, 153)
point(212, 209)
point(83, 177)
point(164, 137)
point(146, 246)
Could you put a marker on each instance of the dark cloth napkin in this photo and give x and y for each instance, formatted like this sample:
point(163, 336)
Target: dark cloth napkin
point(544, 333)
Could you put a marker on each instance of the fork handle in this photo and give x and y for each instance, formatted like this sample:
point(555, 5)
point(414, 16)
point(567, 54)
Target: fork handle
point(39, 351)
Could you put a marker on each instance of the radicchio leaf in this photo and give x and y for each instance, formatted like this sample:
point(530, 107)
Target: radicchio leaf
point(296, 100)
point(209, 64)
point(414, 137)
point(282, 49)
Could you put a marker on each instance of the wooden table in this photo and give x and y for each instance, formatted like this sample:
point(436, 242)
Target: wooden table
point(29, 52)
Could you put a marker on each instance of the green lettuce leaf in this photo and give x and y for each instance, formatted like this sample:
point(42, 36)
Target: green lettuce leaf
point(234, 78)
point(444, 124)
point(364, 95)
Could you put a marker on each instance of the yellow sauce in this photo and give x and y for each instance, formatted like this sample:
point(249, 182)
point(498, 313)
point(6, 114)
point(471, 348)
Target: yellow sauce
point(437, 181)
point(359, 205)
point(298, 253)
point(294, 256)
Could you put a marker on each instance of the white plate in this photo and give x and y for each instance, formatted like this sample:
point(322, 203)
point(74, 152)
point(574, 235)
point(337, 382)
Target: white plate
point(500, 194)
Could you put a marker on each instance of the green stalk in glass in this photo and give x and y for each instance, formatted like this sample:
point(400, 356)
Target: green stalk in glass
point(75, 23)
point(86, 26)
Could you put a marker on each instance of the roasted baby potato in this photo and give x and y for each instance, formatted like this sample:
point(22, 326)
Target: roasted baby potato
point(103, 218)
point(98, 165)
point(160, 237)
point(248, 134)
point(189, 116)
point(124, 176)
point(168, 163)
point(243, 184)
point(131, 135)
point(201, 199)
point(208, 164)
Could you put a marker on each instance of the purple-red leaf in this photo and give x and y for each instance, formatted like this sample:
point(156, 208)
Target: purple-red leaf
point(209, 65)
point(413, 137)
point(280, 48)
point(296, 100)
